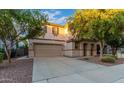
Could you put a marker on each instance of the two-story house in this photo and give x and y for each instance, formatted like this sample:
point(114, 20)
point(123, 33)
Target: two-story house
point(58, 42)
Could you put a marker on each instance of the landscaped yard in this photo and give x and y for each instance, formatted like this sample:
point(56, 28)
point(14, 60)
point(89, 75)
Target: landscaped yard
point(19, 71)
point(97, 60)
point(59, 69)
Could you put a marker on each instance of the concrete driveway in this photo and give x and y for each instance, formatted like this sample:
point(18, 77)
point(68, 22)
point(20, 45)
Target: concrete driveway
point(72, 70)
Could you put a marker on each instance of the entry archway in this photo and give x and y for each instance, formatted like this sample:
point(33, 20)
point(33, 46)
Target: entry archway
point(98, 49)
point(85, 49)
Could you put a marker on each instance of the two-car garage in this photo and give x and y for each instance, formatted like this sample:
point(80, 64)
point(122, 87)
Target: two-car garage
point(48, 50)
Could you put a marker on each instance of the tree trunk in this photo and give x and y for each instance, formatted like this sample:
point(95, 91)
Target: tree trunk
point(8, 54)
point(9, 58)
point(114, 51)
point(101, 49)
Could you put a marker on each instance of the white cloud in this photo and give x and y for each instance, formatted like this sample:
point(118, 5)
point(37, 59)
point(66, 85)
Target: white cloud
point(52, 14)
point(61, 20)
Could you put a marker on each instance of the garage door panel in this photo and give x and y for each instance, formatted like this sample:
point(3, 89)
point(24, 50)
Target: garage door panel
point(48, 50)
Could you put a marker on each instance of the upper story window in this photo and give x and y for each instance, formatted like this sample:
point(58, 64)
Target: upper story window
point(55, 31)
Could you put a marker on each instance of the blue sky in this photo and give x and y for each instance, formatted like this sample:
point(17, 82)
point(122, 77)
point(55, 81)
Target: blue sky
point(58, 16)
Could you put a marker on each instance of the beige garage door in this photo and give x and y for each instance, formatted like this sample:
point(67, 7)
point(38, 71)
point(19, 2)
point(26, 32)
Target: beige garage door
point(45, 50)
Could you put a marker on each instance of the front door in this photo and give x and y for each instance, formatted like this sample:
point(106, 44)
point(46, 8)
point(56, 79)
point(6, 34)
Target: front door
point(98, 49)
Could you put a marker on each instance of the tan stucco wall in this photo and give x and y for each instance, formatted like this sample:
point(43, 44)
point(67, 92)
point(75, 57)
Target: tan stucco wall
point(68, 53)
point(70, 45)
point(69, 48)
point(49, 35)
point(46, 41)
point(76, 53)
point(31, 53)
point(72, 52)
point(51, 39)
point(89, 47)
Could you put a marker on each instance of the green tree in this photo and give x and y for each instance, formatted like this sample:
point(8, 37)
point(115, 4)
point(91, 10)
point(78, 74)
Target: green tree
point(19, 25)
point(115, 41)
point(115, 37)
point(92, 24)
point(100, 27)
point(78, 24)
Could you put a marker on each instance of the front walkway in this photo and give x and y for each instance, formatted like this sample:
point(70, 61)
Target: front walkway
point(72, 70)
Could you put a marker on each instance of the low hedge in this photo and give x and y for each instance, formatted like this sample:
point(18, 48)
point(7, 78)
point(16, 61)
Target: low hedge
point(110, 55)
point(108, 59)
point(1, 57)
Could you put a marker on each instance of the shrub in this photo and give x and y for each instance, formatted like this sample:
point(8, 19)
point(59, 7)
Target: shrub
point(110, 55)
point(1, 57)
point(108, 59)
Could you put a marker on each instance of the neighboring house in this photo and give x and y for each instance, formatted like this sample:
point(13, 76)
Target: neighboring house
point(58, 42)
